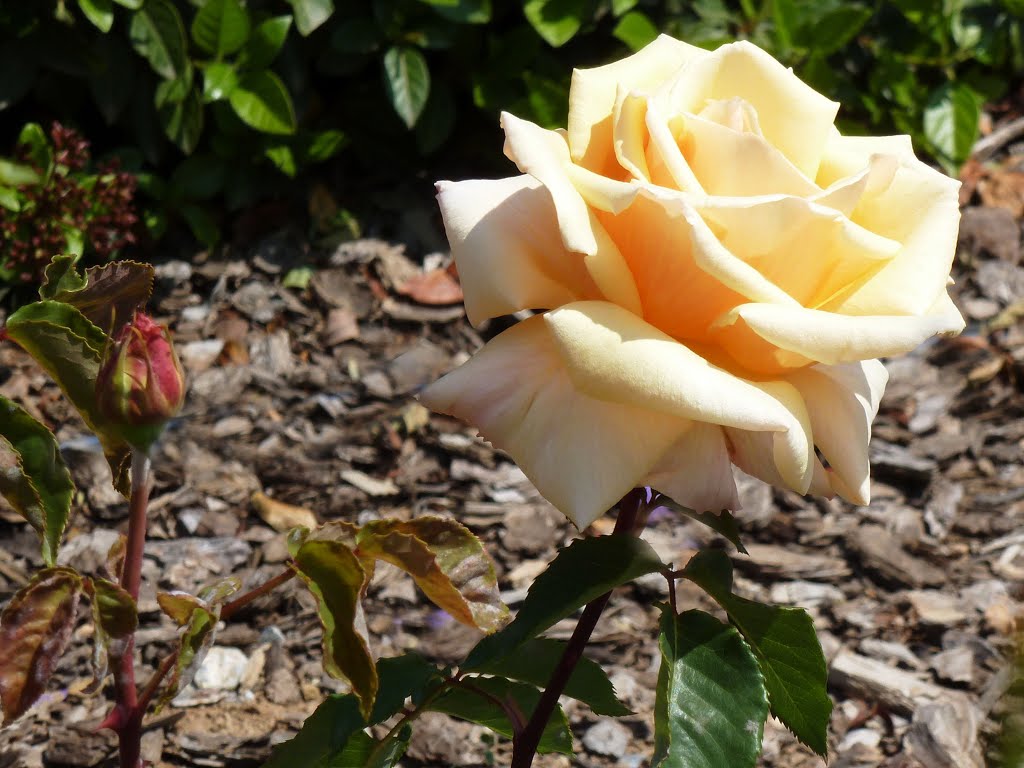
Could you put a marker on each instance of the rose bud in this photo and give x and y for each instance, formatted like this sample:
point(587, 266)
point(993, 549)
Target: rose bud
point(140, 384)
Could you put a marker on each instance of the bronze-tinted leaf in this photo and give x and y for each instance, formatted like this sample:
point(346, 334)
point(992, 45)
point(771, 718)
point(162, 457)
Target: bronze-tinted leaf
point(34, 631)
point(194, 642)
point(335, 577)
point(179, 605)
point(115, 619)
point(447, 562)
point(107, 295)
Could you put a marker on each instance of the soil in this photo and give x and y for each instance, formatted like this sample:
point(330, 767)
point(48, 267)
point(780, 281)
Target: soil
point(304, 390)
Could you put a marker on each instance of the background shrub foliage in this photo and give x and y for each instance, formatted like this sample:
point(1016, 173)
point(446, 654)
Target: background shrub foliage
point(213, 102)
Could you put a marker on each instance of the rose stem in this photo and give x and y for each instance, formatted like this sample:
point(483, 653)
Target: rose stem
point(226, 613)
point(524, 745)
point(127, 717)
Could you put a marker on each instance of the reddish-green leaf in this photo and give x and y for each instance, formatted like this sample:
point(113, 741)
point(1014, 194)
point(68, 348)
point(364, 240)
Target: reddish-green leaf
point(37, 482)
point(335, 577)
point(34, 631)
point(111, 293)
point(115, 619)
point(447, 562)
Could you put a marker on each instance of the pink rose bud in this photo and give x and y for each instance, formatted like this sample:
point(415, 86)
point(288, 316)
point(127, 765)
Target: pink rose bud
point(140, 384)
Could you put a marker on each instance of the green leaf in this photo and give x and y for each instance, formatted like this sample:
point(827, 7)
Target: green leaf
point(636, 30)
point(335, 577)
point(17, 175)
point(157, 33)
point(407, 80)
point(310, 14)
point(556, 21)
point(200, 177)
point(445, 560)
point(115, 619)
point(584, 570)
point(10, 199)
point(324, 145)
point(38, 486)
point(183, 121)
point(722, 522)
point(548, 98)
point(201, 223)
point(35, 628)
point(951, 122)
point(265, 43)
point(323, 736)
point(838, 27)
point(195, 640)
point(219, 80)
point(401, 677)
point(711, 702)
point(221, 27)
point(535, 660)
point(33, 141)
point(463, 11)
point(476, 700)
point(132, 5)
point(262, 102)
point(786, 647)
point(438, 119)
point(284, 160)
point(99, 12)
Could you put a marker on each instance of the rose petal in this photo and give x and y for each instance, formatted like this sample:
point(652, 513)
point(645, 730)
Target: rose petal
point(508, 248)
point(668, 167)
point(842, 401)
point(801, 335)
point(613, 355)
point(544, 155)
point(809, 251)
point(630, 133)
point(697, 471)
point(793, 117)
point(582, 453)
point(783, 459)
point(592, 95)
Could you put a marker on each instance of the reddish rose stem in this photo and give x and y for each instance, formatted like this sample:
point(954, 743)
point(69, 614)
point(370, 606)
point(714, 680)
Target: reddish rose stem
point(126, 719)
point(630, 522)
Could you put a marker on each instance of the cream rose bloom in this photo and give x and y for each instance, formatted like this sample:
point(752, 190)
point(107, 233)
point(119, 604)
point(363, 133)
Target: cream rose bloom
point(721, 269)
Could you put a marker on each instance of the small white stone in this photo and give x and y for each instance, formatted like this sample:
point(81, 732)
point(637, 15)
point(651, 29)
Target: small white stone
point(222, 669)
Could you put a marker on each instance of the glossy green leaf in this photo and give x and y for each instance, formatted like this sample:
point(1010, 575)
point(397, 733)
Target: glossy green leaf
point(838, 27)
point(447, 562)
point(556, 21)
point(324, 145)
point(535, 660)
point(407, 80)
point(33, 141)
point(37, 484)
point(265, 43)
point(335, 577)
point(636, 30)
point(35, 628)
point(262, 102)
point(323, 736)
point(786, 647)
point(157, 33)
point(133, 5)
point(17, 175)
point(401, 677)
point(584, 570)
point(221, 27)
point(476, 700)
point(951, 122)
point(310, 14)
point(463, 11)
point(722, 522)
point(99, 12)
point(711, 702)
point(219, 80)
point(10, 199)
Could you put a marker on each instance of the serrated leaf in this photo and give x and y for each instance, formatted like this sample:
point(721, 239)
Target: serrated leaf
point(99, 12)
point(475, 700)
point(35, 628)
point(335, 577)
point(407, 79)
point(262, 102)
point(108, 294)
point(265, 43)
point(711, 702)
point(951, 122)
point(722, 522)
point(446, 561)
point(535, 660)
point(221, 27)
point(581, 572)
point(786, 647)
point(310, 14)
point(556, 21)
point(157, 33)
point(38, 486)
point(115, 619)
